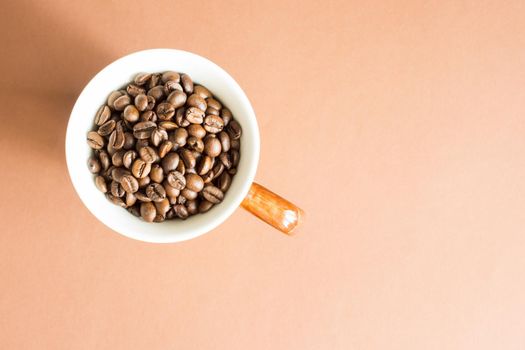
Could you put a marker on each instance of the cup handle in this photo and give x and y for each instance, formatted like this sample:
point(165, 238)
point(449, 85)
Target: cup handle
point(272, 209)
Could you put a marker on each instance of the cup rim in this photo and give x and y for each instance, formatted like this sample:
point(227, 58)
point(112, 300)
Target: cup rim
point(250, 146)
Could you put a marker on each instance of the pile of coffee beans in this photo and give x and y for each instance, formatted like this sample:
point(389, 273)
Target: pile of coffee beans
point(164, 147)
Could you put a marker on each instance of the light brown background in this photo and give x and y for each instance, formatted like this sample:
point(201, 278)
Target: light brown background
point(399, 126)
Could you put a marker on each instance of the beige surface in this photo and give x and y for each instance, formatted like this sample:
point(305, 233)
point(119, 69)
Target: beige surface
point(398, 126)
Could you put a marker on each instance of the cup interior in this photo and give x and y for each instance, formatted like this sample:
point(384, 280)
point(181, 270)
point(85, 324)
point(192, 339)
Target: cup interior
point(113, 77)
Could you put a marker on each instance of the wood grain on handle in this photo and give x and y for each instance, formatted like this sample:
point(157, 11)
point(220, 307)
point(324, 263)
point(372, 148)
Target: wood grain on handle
point(272, 209)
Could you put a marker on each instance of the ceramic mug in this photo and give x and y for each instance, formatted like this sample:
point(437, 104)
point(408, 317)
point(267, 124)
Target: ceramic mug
point(261, 202)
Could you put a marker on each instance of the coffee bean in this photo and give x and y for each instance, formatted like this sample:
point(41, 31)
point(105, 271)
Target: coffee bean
point(165, 147)
point(181, 211)
point(118, 158)
point(162, 206)
point(103, 115)
point(224, 181)
point(204, 206)
point(170, 214)
point(171, 86)
point(129, 141)
point(168, 125)
point(148, 116)
point(128, 158)
point(94, 140)
point(156, 174)
point(165, 111)
point(142, 78)
point(212, 111)
point(156, 92)
point(121, 102)
point(217, 170)
point(116, 189)
point(107, 128)
point(236, 156)
point(235, 144)
point(208, 177)
point(117, 173)
point(177, 98)
point(94, 165)
point(189, 194)
point(141, 102)
point(179, 136)
point(226, 160)
point(148, 154)
point(212, 194)
point(170, 190)
point(170, 76)
point(129, 184)
point(194, 115)
point(213, 103)
point(196, 130)
point(234, 129)
point(192, 207)
point(154, 80)
point(176, 180)
point(142, 197)
point(131, 113)
point(140, 168)
point(194, 183)
point(226, 115)
point(195, 144)
point(155, 192)
point(144, 181)
point(225, 141)
point(105, 161)
point(213, 124)
point(143, 130)
point(187, 83)
point(212, 147)
point(205, 165)
point(157, 136)
point(181, 168)
point(195, 100)
point(116, 139)
point(201, 91)
point(131, 199)
point(151, 103)
point(181, 199)
point(113, 97)
point(100, 182)
point(180, 117)
point(148, 211)
point(115, 200)
point(187, 157)
point(134, 90)
point(170, 162)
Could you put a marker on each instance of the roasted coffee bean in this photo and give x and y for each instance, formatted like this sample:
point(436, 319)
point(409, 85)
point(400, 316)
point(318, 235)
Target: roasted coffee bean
point(224, 182)
point(116, 189)
point(170, 190)
point(205, 165)
point(129, 184)
point(187, 157)
point(213, 103)
point(156, 174)
point(179, 136)
point(212, 147)
point(131, 113)
point(128, 158)
point(113, 97)
point(181, 199)
point(131, 199)
point(151, 103)
point(176, 180)
point(143, 130)
point(156, 92)
point(212, 194)
point(218, 169)
point(195, 144)
point(165, 147)
point(107, 128)
point(115, 200)
point(170, 162)
point(141, 102)
point(142, 197)
point(226, 116)
point(208, 177)
point(180, 117)
point(236, 156)
point(142, 78)
point(155, 192)
point(144, 181)
point(181, 211)
point(168, 125)
point(134, 90)
point(213, 123)
point(165, 111)
point(162, 206)
point(226, 160)
point(118, 173)
point(103, 115)
point(187, 83)
point(100, 182)
point(194, 183)
point(235, 144)
point(148, 211)
point(189, 194)
point(195, 100)
point(196, 130)
point(194, 115)
point(105, 161)
point(148, 116)
point(234, 129)
point(170, 86)
point(129, 141)
point(177, 98)
point(118, 158)
point(94, 165)
point(170, 214)
point(225, 141)
point(157, 136)
point(181, 168)
point(116, 139)
point(148, 154)
point(201, 91)
point(212, 111)
point(94, 140)
point(140, 168)
point(170, 76)
point(121, 102)
point(134, 210)
point(192, 207)
point(204, 206)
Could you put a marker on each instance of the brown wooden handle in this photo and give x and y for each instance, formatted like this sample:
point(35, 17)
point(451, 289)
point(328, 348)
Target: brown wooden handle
point(272, 209)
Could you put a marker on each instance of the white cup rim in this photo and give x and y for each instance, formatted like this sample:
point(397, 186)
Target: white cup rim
point(112, 77)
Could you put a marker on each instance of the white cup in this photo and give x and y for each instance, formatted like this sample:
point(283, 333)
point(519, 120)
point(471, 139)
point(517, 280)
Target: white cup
point(113, 77)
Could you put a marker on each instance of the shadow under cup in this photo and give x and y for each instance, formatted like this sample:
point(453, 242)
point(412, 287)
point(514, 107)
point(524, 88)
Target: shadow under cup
point(116, 75)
